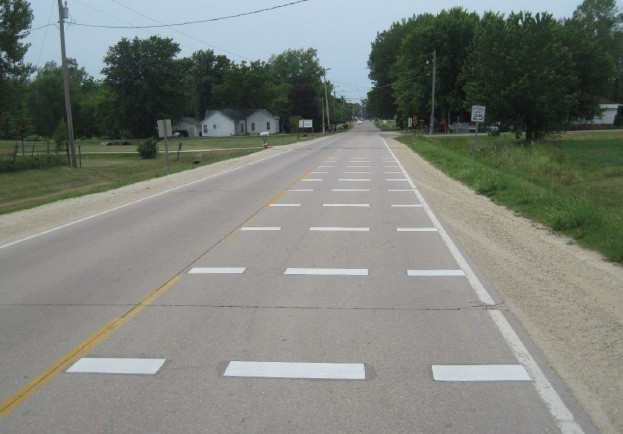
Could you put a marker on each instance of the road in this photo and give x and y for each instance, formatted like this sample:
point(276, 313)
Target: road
point(313, 291)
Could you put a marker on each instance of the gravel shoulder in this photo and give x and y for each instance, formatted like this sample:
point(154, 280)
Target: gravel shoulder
point(569, 300)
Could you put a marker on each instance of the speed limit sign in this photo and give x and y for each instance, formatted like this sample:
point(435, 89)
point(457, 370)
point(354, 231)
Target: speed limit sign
point(478, 113)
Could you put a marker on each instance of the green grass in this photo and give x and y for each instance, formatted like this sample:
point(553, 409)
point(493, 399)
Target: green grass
point(109, 167)
point(572, 184)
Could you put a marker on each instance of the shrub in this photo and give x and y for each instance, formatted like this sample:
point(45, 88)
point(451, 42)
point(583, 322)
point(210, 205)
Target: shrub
point(147, 149)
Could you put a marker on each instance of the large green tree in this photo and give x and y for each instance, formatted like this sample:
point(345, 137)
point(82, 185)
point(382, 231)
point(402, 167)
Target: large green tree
point(46, 99)
point(206, 71)
point(15, 20)
point(146, 79)
point(522, 71)
point(245, 85)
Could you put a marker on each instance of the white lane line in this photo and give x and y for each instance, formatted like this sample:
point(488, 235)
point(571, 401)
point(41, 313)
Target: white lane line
point(285, 204)
point(301, 189)
point(357, 173)
point(318, 173)
point(434, 273)
point(325, 167)
point(338, 229)
point(411, 205)
point(312, 180)
point(352, 205)
point(354, 179)
point(480, 373)
point(358, 167)
point(261, 228)
point(312, 371)
point(327, 271)
point(393, 173)
point(217, 270)
point(416, 229)
point(557, 408)
point(116, 366)
point(396, 179)
point(350, 189)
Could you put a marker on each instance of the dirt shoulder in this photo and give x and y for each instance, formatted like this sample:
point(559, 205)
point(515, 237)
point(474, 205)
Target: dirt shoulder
point(569, 300)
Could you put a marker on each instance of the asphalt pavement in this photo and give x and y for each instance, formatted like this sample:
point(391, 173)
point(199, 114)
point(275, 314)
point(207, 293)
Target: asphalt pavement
point(314, 291)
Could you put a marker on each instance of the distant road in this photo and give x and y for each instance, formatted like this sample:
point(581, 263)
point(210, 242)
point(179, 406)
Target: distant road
point(314, 291)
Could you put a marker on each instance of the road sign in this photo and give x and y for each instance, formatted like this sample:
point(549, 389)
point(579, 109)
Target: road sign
point(306, 123)
point(478, 113)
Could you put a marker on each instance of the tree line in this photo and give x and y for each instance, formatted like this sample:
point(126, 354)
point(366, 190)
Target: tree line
point(145, 80)
point(535, 74)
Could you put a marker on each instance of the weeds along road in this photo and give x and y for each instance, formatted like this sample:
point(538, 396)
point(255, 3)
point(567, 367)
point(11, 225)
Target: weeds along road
point(310, 291)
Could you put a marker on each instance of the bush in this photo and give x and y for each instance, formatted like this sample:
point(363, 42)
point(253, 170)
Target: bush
point(148, 149)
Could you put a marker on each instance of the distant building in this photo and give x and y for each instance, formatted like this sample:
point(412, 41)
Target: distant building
point(608, 114)
point(232, 122)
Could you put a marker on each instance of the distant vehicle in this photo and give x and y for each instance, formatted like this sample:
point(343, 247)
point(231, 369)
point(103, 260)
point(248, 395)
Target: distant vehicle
point(360, 121)
point(180, 133)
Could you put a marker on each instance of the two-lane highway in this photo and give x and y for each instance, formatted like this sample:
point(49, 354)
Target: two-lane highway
point(314, 291)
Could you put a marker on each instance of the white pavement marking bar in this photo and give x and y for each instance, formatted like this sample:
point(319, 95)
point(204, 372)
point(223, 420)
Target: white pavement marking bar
point(301, 190)
point(285, 204)
point(312, 371)
point(354, 179)
point(338, 229)
point(350, 189)
point(312, 180)
point(355, 205)
point(434, 273)
point(480, 373)
point(259, 228)
point(327, 271)
point(357, 173)
point(217, 270)
point(416, 230)
point(116, 366)
point(411, 205)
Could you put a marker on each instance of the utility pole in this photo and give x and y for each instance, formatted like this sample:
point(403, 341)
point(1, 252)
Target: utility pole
point(62, 15)
point(432, 108)
point(326, 98)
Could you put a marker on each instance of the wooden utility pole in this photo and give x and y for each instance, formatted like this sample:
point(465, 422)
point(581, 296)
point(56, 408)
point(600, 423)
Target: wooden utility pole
point(62, 14)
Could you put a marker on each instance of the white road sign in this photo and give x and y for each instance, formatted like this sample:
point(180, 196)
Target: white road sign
point(478, 113)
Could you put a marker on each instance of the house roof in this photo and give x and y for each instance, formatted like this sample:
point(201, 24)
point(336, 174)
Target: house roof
point(236, 114)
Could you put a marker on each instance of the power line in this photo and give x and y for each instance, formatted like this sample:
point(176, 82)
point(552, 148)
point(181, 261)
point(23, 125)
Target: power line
point(193, 22)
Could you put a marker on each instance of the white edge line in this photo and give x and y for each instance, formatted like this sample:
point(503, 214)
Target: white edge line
point(548, 394)
point(30, 237)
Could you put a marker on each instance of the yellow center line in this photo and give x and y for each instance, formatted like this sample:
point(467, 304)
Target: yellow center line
point(11, 403)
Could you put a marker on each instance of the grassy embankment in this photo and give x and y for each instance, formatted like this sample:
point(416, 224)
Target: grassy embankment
point(108, 167)
point(573, 184)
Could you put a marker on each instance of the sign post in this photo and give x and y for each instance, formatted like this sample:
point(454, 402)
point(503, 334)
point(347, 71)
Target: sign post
point(478, 115)
point(164, 131)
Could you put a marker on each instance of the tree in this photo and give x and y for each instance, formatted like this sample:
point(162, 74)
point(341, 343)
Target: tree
point(15, 20)
point(144, 77)
point(46, 102)
point(206, 72)
point(247, 85)
point(522, 71)
point(601, 22)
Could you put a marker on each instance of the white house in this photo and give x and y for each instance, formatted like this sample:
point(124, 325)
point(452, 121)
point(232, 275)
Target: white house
point(230, 122)
point(191, 126)
point(609, 112)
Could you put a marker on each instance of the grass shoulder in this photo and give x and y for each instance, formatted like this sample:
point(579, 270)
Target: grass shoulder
point(572, 184)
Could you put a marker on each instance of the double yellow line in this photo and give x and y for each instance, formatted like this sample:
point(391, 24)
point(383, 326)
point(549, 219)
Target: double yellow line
point(81, 350)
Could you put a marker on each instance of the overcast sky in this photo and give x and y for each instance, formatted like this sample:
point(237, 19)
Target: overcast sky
point(340, 30)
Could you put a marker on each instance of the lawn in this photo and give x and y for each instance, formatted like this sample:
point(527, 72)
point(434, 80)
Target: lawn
point(572, 184)
point(108, 167)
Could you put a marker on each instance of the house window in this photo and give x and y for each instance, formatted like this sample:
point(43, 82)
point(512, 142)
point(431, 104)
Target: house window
point(214, 126)
point(205, 129)
point(267, 126)
point(252, 126)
